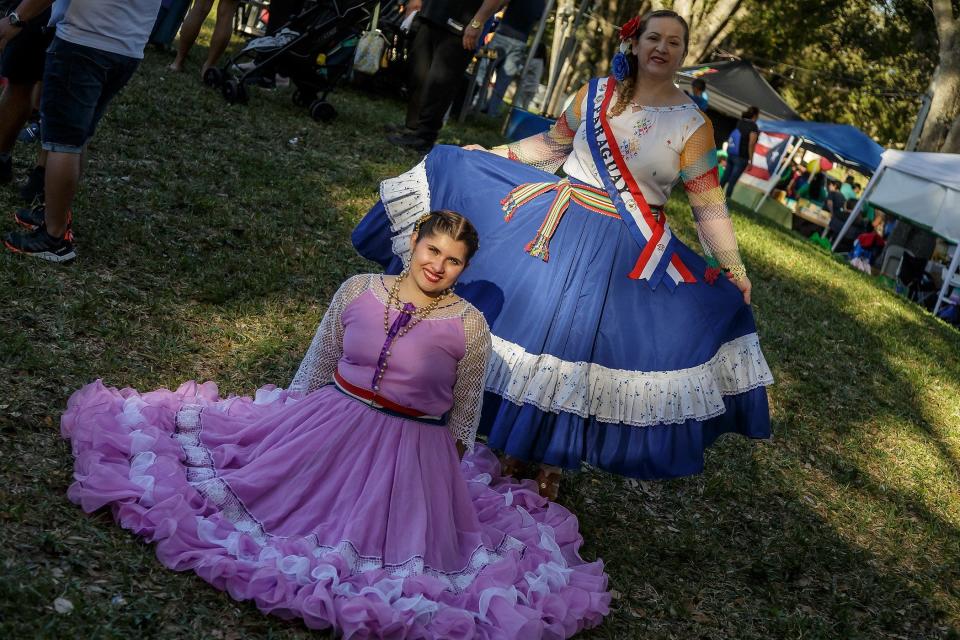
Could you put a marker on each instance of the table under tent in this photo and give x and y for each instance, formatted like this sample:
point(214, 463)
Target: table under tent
point(923, 188)
point(780, 142)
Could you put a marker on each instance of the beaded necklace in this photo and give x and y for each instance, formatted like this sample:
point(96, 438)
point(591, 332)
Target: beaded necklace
point(407, 319)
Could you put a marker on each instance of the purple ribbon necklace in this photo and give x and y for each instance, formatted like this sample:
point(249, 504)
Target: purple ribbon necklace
point(406, 320)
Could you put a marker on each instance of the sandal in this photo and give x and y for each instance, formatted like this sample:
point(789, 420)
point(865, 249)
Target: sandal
point(548, 484)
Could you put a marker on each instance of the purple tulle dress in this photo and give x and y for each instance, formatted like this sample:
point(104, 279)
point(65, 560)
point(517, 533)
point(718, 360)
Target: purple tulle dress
point(319, 503)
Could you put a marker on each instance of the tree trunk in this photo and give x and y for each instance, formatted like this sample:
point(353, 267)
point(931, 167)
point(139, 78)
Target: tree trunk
point(709, 22)
point(599, 41)
point(941, 131)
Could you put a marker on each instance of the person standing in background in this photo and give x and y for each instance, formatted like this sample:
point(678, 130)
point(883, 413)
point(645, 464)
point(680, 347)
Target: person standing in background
point(191, 29)
point(744, 138)
point(698, 93)
point(510, 41)
point(22, 66)
point(846, 189)
point(530, 81)
point(97, 49)
point(448, 34)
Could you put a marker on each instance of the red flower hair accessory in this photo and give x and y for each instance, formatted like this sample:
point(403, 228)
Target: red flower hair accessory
point(630, 28)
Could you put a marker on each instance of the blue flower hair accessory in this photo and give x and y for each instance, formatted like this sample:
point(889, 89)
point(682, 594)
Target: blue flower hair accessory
point(621, 66)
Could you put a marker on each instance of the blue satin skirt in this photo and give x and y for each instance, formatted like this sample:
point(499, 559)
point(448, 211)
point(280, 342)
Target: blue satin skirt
point(577, 312)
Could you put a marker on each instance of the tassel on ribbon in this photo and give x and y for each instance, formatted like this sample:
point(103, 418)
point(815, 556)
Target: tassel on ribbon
point(539, 247)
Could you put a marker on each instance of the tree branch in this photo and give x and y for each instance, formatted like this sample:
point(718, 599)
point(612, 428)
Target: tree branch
point(946, 23)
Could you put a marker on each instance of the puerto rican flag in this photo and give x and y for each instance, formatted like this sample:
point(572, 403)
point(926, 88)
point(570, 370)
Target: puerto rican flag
point(766, 154)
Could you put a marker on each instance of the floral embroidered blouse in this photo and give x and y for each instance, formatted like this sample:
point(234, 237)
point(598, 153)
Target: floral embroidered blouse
point(660, 145)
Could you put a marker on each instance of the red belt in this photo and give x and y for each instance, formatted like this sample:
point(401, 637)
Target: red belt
point(377, 401)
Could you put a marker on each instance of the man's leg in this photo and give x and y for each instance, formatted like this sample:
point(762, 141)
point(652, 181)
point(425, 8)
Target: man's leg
point(729, 169)
point(31, 191)
point(734, 170)
point(189, 31)
point(15, 108)
point(421, 55)
point(62, 178)
point(449, 62)
point(22, 65)
point(221, 33)
point(79, 83)
point(513, 58)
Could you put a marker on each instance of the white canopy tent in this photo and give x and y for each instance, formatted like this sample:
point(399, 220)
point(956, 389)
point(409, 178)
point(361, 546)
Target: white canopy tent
point(923, 188)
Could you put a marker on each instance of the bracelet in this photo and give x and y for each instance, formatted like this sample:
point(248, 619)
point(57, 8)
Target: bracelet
point(737, 271)
point(475, 24)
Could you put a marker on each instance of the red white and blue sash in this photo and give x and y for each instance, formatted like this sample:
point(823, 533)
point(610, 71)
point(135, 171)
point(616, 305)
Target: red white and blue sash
point(658, 261)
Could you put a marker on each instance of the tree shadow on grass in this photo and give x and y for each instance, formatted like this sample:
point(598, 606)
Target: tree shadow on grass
point(211, 250)
point(820, 533)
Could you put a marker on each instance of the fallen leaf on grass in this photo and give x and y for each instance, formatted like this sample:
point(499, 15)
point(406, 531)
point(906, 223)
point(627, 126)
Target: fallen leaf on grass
point(701, 617)
point(62, 605)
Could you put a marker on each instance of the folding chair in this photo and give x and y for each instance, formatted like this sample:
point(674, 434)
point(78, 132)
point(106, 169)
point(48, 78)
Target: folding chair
point(913, 277)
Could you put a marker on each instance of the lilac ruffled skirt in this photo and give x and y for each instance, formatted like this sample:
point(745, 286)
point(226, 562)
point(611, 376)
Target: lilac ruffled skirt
point(324, 509)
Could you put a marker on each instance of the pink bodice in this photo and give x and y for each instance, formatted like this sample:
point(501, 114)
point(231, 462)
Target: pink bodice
point(422, 368)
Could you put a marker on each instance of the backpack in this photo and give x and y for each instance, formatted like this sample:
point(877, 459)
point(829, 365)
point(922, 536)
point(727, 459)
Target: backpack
point(733, 142)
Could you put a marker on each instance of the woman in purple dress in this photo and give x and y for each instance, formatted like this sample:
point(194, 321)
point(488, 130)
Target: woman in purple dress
point(342, 500)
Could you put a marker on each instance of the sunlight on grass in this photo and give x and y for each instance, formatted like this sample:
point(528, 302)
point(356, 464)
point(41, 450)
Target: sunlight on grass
point(209, 246)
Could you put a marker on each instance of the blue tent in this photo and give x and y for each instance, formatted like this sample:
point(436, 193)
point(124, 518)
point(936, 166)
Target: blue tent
point(839, 142)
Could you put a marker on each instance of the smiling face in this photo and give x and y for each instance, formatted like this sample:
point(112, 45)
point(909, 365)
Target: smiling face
point(661, 47)
point(436, 262)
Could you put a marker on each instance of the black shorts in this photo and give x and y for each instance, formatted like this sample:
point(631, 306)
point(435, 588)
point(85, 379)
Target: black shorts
point(78, 84)
point(23, 57)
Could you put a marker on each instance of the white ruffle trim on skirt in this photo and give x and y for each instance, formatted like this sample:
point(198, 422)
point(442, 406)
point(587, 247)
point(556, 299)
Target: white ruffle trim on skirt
point(202, 476)
point(406, 199)
point(636, 398)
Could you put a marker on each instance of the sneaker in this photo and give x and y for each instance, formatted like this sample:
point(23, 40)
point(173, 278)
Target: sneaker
point(32, 189)
point(6, 170)
point(29, 133)
point(410, 141)
point(40, 244)
point(34, 217)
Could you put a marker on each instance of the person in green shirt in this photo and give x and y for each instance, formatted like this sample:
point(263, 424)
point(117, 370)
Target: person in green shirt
point(846, 189)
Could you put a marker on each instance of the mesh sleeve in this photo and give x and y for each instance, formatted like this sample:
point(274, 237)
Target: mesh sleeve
point(549, 150)
point(468, 390)
point(698, 170)
point(319, 364)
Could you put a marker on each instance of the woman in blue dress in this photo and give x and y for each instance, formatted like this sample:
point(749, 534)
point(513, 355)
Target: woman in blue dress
point(613, 342)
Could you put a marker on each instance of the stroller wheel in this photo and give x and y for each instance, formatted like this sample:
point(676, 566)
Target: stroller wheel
point(322, 111)
point(302, 99)
point(234, 92)
point(213, 77)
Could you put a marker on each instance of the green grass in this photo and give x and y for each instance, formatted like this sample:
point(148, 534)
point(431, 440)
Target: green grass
point(209, 245)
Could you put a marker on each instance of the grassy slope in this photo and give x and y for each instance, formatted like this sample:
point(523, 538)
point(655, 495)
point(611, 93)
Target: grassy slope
point(209, 243)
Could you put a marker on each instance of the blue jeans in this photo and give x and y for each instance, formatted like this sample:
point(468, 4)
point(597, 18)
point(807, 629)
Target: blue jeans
point(78, 83)
point(735, 168)
point(509, 64)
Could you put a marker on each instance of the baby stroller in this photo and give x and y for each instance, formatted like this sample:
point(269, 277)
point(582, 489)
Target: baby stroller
point(314, 49)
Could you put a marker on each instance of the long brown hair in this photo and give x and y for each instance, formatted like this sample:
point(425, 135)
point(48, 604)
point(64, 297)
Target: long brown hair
point(625, 88)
